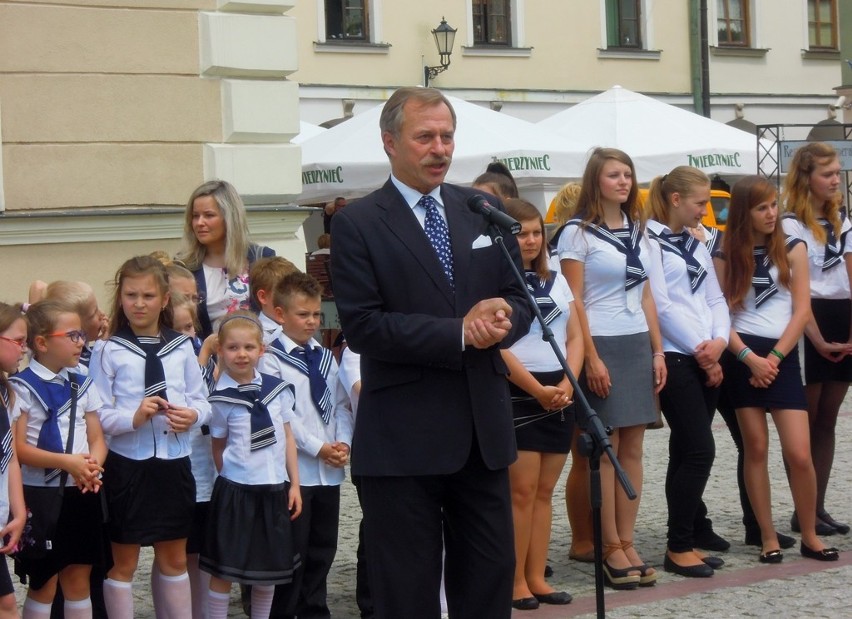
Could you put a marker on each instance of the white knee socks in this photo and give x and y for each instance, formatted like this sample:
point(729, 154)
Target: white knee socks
point(78, 609)
point(118, 598)
point(261, 601)
point(217, 605)
point(35, 610)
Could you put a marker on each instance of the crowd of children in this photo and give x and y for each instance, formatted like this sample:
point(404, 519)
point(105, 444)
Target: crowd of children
point(143, 425)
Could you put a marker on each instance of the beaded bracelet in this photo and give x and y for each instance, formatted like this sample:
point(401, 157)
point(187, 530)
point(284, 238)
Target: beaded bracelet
point(743, 353)
point(777, 353)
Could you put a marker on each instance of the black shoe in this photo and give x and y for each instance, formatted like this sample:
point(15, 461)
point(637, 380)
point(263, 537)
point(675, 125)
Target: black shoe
point(620, 579)
point(822, 529)
point(840, 527)
point(709, 540)
point(752, 538)
point(773, 556)
point(557, 597)
point(548, 571)
point(826, 554)
point(525, 604)
point(691, 571)
point(714, 562)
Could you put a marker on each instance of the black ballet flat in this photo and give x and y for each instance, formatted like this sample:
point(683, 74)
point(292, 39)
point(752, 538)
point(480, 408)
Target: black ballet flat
point(773, 556)
point(714, 562)
point(525, 604)
point(840, 527)
point(557, 597)
point(821, 528)
point(689, 571)
point(826, 554)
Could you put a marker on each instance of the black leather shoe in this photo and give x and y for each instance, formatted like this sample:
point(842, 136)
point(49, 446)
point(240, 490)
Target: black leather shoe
point(752, 538)
point(548, 571)
point(557, 597)
point(826, 554)
point(692, 571)
point(840, 527)
point(714, 562)
point(822, 528)
point(620, 578)
point(773, 556)
point(525, 604)
point(709, 540)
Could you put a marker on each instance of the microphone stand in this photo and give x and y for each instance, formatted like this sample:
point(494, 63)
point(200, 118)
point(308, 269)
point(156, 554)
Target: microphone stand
point(594, 439)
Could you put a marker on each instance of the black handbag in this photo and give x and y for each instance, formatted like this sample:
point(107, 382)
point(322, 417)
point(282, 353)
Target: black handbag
point(44, 504)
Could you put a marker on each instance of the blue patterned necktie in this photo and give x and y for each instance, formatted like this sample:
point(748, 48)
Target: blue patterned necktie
point(439, 235)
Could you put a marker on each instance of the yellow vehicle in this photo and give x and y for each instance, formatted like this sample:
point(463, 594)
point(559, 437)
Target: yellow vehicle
point(717, 210)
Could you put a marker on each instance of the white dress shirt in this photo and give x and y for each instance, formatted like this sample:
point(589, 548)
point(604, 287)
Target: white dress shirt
point(119, 377)
point(610, 309)
point(309, 430)
point(240, 464)
point(830, 284)
point(687, 319)
point(87, 402)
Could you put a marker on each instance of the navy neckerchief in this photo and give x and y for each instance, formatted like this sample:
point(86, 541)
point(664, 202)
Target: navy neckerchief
point(833, 255)
point(86, 354)
point(626, 241)
point(764, 286)
point(256, 399)
point(540, 290)
point(684, 245)
point(5, 430)
point(714, 240)
point(313, 363)
point(152, 349)
point(55, 399)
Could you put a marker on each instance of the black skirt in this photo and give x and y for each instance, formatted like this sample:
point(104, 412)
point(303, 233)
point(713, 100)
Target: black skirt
point(249, 538)
point(150, 500)
point(785, 392)
point(79, 539)
point(832, 317)
point(537, 429)
point(199, 528)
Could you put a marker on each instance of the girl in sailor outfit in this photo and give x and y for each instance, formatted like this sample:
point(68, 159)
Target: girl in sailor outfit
point(249, 538)
point(148, 378)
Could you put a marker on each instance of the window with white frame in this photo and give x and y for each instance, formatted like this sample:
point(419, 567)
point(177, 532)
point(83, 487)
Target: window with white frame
point(492, 22)
point(624, 24)
point(733, 23)
point(822, 24)
point(347, 20)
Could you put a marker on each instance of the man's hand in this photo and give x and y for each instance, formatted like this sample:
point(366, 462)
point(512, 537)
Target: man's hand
point(487, 323)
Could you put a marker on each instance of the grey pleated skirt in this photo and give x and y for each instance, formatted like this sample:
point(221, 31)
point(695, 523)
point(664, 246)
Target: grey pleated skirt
point(631, 397)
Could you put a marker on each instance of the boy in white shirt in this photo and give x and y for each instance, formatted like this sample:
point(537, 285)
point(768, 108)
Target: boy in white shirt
point(263, 276)
point(322, 426)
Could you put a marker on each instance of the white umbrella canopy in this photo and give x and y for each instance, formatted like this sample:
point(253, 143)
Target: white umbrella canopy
point(349, 158)
point(307, 131)
point(657, 136)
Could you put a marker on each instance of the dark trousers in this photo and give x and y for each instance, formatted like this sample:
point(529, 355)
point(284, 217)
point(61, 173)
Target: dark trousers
point(315, 537)
point(729, 414)
point(409, 520)
point(362, 581)
point(688, 405)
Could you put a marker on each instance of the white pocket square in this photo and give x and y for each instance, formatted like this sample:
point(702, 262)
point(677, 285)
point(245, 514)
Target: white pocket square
point(481, 241)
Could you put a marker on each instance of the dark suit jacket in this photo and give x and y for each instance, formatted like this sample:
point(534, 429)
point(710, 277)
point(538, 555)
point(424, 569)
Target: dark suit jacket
point(423, 397)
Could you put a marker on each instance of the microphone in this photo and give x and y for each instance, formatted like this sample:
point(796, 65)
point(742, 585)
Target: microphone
point(496, 217)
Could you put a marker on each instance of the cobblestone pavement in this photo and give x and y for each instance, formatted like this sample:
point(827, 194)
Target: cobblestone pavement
point(743, 588)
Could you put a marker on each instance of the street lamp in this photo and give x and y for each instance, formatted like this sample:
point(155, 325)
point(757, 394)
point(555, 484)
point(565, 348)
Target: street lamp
point(444, 37)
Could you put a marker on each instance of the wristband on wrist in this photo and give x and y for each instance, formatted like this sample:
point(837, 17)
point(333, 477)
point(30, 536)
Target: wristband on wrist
point(743, 353)
point(777, 353)
point(659, 354)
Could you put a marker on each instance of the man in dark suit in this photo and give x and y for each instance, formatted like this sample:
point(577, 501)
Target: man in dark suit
point(434, 438)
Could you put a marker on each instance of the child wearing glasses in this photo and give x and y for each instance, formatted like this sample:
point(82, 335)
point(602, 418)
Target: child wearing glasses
point(59, 442)
point(153, 393)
